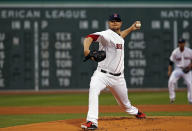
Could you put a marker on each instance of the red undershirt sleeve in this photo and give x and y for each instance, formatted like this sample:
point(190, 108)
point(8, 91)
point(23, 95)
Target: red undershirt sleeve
point(94, 37)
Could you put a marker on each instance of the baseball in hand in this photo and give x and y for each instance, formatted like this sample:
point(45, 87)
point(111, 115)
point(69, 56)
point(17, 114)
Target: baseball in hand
point(138, 25)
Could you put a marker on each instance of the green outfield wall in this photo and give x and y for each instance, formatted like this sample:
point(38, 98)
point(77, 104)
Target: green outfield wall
point(41, 45)
point(96, 1)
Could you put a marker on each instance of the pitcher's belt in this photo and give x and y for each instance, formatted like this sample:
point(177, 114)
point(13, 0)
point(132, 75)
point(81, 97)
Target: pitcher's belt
point(114, 74)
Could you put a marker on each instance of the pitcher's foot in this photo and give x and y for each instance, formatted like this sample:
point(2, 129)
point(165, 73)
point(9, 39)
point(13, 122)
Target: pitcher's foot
point(140, 115)
point(89, 126)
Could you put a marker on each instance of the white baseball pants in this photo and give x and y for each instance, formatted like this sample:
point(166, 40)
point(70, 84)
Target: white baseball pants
point(176, 74)
point(117, 86)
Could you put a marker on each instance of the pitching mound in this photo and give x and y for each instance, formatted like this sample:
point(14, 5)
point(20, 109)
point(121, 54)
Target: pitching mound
point(168, 123)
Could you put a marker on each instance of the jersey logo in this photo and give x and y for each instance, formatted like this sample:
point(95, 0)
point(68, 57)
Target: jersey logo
point(187, 58)
point(118, 46)
point(178, 59)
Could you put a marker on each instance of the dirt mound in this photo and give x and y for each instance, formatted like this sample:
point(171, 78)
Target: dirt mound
point(160, 123)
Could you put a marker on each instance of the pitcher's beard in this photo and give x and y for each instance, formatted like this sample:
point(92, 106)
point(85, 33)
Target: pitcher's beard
point(117, 30)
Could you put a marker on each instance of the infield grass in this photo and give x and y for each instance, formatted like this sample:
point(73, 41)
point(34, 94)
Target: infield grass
point(137, 98)
point(13, 120)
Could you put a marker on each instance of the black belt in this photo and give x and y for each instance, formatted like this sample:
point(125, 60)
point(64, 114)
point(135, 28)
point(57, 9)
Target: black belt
point(117, 74)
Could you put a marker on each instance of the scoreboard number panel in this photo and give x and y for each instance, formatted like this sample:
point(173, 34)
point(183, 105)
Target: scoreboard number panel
point(41, 46)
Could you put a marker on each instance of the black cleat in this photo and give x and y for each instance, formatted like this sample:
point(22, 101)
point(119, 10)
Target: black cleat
point(172, 101)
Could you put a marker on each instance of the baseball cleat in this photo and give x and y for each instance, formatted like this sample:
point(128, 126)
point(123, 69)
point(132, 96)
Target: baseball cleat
point(89, 126)
point(140, 115)
point(172, 101)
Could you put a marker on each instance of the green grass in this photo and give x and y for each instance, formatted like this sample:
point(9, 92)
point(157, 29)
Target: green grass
point(13, 120)
point(82, 99)
point(44, 100)
point(156, 98)
point(137, 98)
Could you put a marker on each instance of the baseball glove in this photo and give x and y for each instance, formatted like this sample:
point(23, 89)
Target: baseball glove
point(96, 55)
point(186, 69)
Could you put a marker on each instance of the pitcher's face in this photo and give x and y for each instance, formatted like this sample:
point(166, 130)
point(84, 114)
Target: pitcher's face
point(115, 25)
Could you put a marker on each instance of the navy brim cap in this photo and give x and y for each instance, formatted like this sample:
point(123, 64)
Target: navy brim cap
point(114, 16)
point(181, 41)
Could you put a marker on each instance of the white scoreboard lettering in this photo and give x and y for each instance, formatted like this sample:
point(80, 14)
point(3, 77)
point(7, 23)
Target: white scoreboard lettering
point(42, 47)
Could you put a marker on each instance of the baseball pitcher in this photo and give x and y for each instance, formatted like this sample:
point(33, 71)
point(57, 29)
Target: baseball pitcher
point(110, 70)
point(181, 57)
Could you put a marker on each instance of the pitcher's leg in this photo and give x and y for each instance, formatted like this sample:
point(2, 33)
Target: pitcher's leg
point(97, 84)
point(120, 93)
